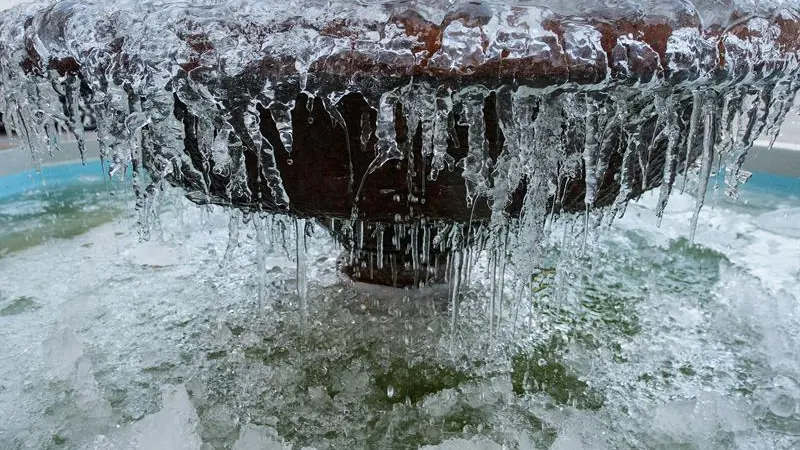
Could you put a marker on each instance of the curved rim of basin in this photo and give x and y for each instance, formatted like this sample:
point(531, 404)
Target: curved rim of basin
point(488, 42)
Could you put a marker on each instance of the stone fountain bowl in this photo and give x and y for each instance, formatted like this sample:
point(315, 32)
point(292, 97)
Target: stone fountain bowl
point(391, 122)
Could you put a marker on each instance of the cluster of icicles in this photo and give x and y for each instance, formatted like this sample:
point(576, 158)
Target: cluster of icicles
point(130, 74)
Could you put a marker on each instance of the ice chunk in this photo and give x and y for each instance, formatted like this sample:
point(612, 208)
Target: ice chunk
point(175, 427)
point(699, 421)
point(63, 350)
point(567, 441)
point(477, 443)
point(258, 437)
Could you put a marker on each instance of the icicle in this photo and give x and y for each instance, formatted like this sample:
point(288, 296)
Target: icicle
point(707, 161)
point(331, 107)
point(474, 165)
point(18, 119)
point(426, 244)
point(72, 94)
point(440, 132)
point(379, 243)
point(134, 124)
point(385, 132)
point(632, 140)
point(366, 130)
point(752, 112)
point(426, 109)
point(266, 157)
point(418, 106)
point(455, 288)
point(670, 159)
point(49, 114)
point(497, 267)
point(772, 106)
point(646, 149)
point(282, 115)
point(697, 104)
point(128, 133)
point(204, 133)
point(53, 141)
point(591, 151)
point(782, 103)
point(493, 290)
point(234, 224)
point(220, 158)
point(310, 99)
point(396, 237)
point(729, 120)
point(110, 126)
point(301, 258)
point(415, 259)
point(608, 125)
point(505, 174)
point(261, 255)
point(360, 234)
point(455, 242)
point(502, 273)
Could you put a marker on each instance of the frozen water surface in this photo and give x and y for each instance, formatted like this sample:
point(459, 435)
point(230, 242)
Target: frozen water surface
point(645, 341)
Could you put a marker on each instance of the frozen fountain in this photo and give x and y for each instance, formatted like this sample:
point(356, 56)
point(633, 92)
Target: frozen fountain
point(478, 149)
point(402, 125)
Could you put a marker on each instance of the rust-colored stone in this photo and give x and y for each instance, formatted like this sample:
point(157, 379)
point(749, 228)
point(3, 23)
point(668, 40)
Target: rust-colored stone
point(328, 172)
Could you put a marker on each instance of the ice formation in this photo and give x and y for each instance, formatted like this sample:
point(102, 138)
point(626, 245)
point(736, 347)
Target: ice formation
point(461, 124)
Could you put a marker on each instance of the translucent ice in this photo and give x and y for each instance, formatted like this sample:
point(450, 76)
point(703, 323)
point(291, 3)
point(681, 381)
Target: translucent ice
point(175, 427)
point(464, 444)
point(255, 437)
point(561, 103)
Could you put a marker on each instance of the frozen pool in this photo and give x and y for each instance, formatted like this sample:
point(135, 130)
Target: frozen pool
point(642, 341)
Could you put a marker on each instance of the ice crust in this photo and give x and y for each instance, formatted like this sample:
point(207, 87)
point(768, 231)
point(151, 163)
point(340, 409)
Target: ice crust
point(725, 310)
point(594, 81)
point(596, 102)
